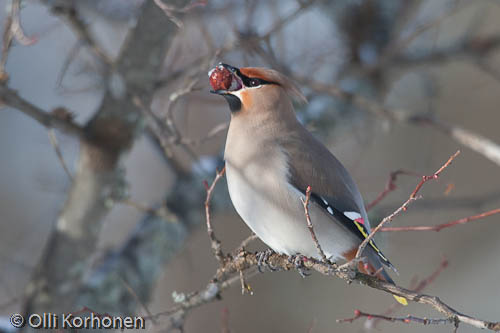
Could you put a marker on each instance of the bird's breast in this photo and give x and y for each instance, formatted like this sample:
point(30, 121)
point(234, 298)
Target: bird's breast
point(272, 208)
point(261, 196)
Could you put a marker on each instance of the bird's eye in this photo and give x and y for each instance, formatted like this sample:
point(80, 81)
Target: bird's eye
point(254, 83)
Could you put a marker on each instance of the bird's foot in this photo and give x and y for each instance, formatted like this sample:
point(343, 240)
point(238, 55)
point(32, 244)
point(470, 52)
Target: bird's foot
point(263, 261)
point(298, 261)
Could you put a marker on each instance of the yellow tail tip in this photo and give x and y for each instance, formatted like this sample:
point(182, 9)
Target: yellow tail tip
point(401, 300)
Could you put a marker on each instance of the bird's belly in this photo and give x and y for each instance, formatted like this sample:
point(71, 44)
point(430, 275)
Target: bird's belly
point(283, 226)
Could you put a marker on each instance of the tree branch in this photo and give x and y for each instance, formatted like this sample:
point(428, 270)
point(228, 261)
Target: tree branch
point(389, 187)
point(408, 319)
point(244, 260)
point(450, 224)
point(215, 243)
point(99, 181)
point(230, 269)
point(417, 286)
point(474, 141)
point(310, 226)
point(404, 206)
point(49, 120)
point(67, 12)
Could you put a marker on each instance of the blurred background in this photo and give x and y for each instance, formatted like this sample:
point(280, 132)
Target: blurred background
point(391, 85)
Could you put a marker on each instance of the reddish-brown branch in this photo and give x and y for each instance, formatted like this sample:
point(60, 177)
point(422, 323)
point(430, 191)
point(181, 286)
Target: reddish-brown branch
point(215, 243)
point(310, 226)
point(450, 224)
point(403, 207)
point(435, 175)
point(389, 187)
point(430, 279)
point(386, 219)
point(312, 325)
point(417, 286)
point(225, 320)
point(245, 260)
point(408, 319)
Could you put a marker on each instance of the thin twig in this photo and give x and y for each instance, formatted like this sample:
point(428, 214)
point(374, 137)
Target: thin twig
point(471, 48)
point(70, 14)
point(67, 62)
point(12, 30)
point(284, 21)
point(208, 294)
point(408, 319)
point(400, 44)
point(172, 100)
point(245, 287)
point(57, 149)
point(435, 175)
point(225, 321)
point(215, 243)
point(387, 219)
point(137, 299)
point(247, 241)
point(312, 325)
point(169, 10)
point(389, 187)
point(404, 206)
point(215, 131)
point(430, 279)
point(163, 133)
point(417, 287)
point(450, 224)
point(310, 226)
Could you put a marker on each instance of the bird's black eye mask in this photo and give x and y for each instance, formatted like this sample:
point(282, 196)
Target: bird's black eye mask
point(252, 81)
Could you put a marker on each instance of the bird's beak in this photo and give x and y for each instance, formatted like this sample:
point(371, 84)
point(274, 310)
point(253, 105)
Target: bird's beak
point(236, 82)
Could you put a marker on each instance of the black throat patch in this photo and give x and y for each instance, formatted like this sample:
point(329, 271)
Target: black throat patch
point(233, 101)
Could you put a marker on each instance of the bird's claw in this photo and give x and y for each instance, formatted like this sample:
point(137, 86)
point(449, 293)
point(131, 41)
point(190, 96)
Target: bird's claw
point(298, 262)
point(263, 261)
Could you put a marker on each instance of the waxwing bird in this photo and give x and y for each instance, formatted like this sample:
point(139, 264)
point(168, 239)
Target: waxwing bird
point(271, 159)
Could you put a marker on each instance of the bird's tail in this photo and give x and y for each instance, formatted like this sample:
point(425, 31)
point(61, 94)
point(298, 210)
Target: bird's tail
point(383, 275)
point(374, 267)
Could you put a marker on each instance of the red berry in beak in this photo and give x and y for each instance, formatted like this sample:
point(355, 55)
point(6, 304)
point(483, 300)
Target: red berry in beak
point(220, 78)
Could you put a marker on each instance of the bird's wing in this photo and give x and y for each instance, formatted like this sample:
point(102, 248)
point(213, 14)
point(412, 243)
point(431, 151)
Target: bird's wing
point(332, 188)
